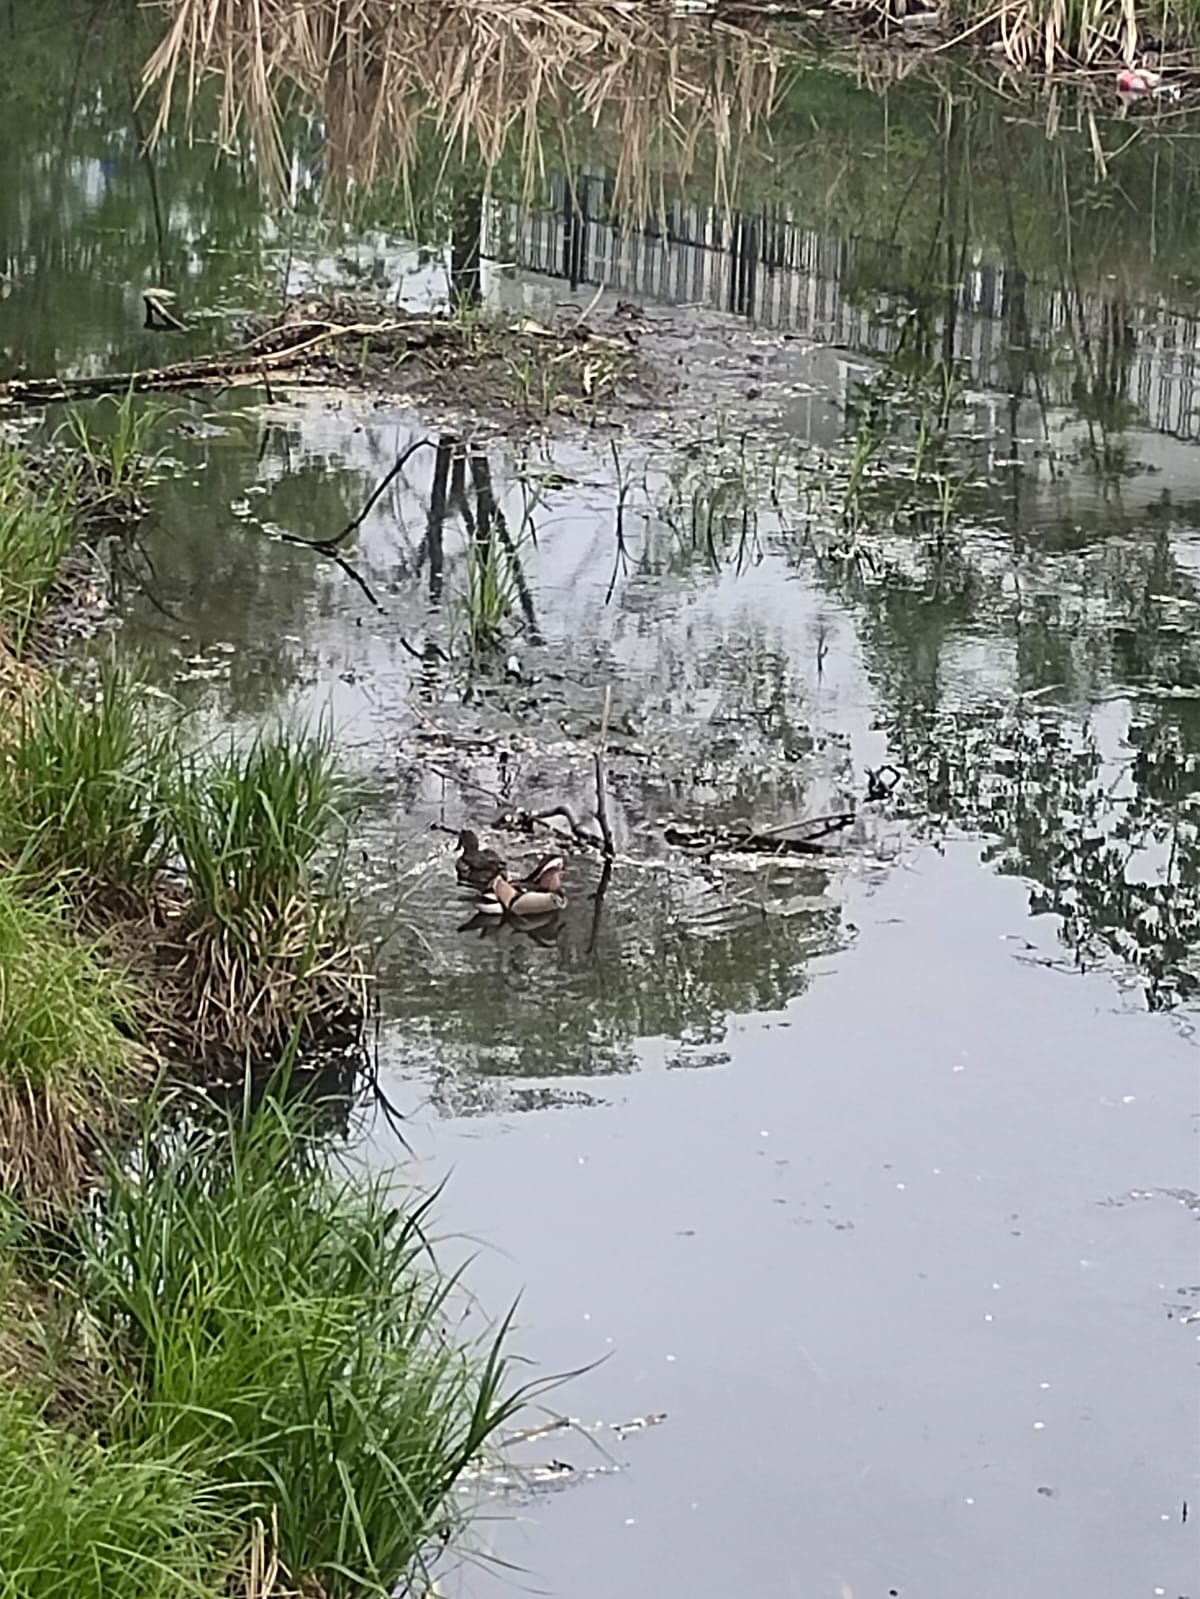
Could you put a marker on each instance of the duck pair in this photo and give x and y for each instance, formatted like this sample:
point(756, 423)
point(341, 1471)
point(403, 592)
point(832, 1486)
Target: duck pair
point(538, 893)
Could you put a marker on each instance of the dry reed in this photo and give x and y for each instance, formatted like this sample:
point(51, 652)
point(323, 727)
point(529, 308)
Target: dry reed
point(47, 1142)
point(1050, 36)
point(1051, 33)
point(488, 80)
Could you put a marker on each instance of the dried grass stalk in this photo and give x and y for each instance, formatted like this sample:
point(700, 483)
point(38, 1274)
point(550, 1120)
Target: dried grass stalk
point(47, 1141)
point(488, 78)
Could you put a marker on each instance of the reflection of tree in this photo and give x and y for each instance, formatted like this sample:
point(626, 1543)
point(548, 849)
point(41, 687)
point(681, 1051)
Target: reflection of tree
point(391, 94)
point(219, 592)
point(1056, 612)
point(996, 249)
point(867, 164)
point(1102, 344)
point(1112, 848)
point(1071, 604)
point(88, 217)
point(434, 548)
point(244, 594)
point(466, 237)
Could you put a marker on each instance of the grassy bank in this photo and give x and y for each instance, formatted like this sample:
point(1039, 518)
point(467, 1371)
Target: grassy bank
point(226, 1366)
point(209, 881)
point(232, 1374)
point(66, 1055)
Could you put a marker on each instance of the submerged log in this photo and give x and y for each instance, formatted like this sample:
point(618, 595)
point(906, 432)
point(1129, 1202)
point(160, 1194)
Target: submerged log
point(309, 349)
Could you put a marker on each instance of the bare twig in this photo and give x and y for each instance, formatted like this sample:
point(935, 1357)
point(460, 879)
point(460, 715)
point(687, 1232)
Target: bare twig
point(702, 842)
point(598, 904)
point(592, 303)
point(432, 650)
point(448, 775)
point(401, 461)
point(620, 558)
point(601, 788)
point(329, 552)
point(812, 826)
point(153, 300)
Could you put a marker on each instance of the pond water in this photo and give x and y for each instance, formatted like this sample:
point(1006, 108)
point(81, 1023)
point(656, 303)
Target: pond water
point(876, 1176)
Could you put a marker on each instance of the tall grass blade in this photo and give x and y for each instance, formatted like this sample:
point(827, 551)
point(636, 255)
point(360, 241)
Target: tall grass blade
point(287, 1324)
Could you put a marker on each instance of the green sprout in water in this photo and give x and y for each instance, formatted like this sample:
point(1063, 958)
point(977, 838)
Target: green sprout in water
point(111, 443)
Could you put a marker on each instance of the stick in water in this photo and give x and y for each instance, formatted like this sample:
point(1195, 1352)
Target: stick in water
point(601, 791)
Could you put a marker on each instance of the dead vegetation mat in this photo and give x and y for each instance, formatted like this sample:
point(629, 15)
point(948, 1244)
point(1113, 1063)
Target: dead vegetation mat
point(292, 978)
point(469, 360)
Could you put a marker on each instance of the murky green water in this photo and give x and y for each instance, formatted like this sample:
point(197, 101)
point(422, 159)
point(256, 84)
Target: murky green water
point(878, 1176)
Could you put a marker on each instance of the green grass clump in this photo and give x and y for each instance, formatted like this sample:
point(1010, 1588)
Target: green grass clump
point(230, 860)
point(82, 787)
point(250, 823)
point(79, 1520)
point(95, 484)
point(64, 1048)
point(110, 443)
point(490, 597)
point(255, 831)
point(286, 1325)
point(36, 531)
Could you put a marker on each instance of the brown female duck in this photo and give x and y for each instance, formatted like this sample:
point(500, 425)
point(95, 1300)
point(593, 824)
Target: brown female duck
point(477, 868)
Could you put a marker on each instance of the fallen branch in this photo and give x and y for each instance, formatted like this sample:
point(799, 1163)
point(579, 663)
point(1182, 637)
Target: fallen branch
point(158, 317)
point(203, 371)
point(520, 821)
point(432, 651)
point(698, 840)
point(813, 826)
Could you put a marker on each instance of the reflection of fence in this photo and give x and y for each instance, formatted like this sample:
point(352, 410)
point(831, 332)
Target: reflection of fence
point(784, 275)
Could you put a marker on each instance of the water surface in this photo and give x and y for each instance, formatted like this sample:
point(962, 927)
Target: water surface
point(877, 1175)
